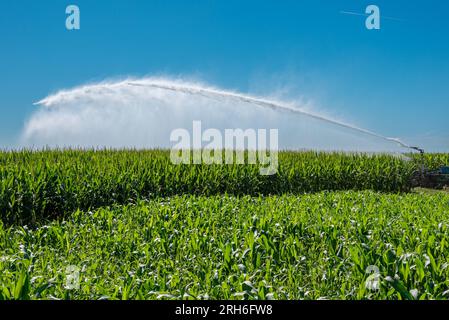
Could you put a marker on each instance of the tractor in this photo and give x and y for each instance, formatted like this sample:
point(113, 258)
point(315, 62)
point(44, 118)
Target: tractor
point(432, 179)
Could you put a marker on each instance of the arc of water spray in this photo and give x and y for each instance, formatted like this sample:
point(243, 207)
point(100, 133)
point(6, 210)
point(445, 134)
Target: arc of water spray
point(266, 104)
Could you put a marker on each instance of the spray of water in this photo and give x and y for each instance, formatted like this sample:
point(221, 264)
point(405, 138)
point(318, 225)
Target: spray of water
point(142, 112)
point(266, 104)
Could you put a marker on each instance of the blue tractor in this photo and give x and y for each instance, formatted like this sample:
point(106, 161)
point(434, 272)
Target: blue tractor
point(435, 179)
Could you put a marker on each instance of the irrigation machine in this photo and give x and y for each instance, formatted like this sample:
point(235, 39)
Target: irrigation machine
point(433, 179)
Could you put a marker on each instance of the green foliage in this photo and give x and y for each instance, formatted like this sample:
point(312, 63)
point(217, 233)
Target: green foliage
point(282, 247)
point(433, 161)
point(41, 186)
point(139, 227)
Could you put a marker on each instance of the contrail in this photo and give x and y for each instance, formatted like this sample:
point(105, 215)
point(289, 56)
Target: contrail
point(210, 93)
point(366, 15)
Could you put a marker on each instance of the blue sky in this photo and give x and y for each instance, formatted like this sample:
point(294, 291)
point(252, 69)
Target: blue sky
point(394, 81)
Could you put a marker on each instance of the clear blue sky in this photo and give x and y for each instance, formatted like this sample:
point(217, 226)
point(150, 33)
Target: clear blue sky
point(394, 81)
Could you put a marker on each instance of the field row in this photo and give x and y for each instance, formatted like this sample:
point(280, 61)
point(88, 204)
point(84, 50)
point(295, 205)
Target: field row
point(39, 186)
point(323, 245)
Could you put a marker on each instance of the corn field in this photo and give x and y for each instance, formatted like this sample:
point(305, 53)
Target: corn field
point(36, 186)
point(136, 226)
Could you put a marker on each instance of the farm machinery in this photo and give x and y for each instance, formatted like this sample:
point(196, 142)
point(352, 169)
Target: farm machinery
point(426, 178)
